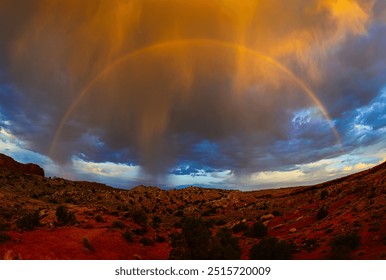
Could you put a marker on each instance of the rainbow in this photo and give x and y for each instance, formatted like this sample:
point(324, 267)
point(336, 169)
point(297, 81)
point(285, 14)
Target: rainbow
point(190, 42)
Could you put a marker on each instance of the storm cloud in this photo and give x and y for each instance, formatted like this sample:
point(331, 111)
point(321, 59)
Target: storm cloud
point(182, 87)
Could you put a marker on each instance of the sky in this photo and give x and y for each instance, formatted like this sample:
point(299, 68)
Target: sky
point(222, 93)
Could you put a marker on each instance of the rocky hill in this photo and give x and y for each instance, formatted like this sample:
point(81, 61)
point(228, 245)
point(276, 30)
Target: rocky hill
point(53, 218)
point(9, 164)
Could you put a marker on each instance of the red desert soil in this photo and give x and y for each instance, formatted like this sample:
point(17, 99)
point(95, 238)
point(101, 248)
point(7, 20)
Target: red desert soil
point(96, 217)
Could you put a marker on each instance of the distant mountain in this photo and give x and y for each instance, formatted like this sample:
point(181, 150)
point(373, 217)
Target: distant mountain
point(54, 218)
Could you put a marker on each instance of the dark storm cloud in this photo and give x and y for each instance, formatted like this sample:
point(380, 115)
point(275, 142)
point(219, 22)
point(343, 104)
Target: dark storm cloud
point(204, 104)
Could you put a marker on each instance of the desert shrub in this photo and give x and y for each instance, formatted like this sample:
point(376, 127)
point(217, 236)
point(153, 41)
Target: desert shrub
point(146, 241)
point(220, 222)
point(87, 244)
point(258, 230)
point(29, 221)
point(323, 194)
point(271, 248)
point(99, 219)
point(64, 217)
point(159, 238)
point(4, 227)
point(114, 213)
point(140, 218)
point(70, 200)
point(156, 221)
point(342, 245)
point(209, 223)
point(276, 213)
point(127, 236)
point(178, 224)
point(179, 249)
point(197, 237)
point(179, 213)
point(140, 231)
point(322, 213)
point(118, 224)
point(4, 237)
point(194, 242)
point(53, 201)
point(209, 212)
point(311, 244)
point(225, 246)
point(240, 227)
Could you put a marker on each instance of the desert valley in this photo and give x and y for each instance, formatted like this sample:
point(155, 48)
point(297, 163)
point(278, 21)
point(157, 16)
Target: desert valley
point(54, 218)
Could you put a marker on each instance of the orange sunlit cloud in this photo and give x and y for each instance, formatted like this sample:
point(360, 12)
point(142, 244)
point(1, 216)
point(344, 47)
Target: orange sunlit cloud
point(154, 81)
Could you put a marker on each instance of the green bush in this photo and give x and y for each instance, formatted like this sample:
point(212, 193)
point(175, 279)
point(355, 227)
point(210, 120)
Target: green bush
point(240, 227)
point(323, 194)
point(258, 230)
point(64, 217)
point(4, 227)
point(99, 219)
point(159, 238)
point(4, 237)
point(276, 213)
point(322, 213)
point(146, 241)
point(220, 222)
point(156, 221)
point(342, 246)
point(196, 242)
point(140, 218)
point(127, 236)
point(29, 221)
point(140, 231)
point(225, 246)
point(271, 249)
point(193, 243)
point(118, 224)
point(197, 237)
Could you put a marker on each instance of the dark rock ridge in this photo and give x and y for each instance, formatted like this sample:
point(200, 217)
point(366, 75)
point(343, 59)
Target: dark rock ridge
point(9, 164)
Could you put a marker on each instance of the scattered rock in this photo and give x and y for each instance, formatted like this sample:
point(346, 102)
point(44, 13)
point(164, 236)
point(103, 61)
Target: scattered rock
point(292, 230)
point(266, 223)
point(278, 226)
point(267, 217)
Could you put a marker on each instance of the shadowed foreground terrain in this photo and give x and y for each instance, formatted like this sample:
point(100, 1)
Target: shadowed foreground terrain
point(53, 218)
